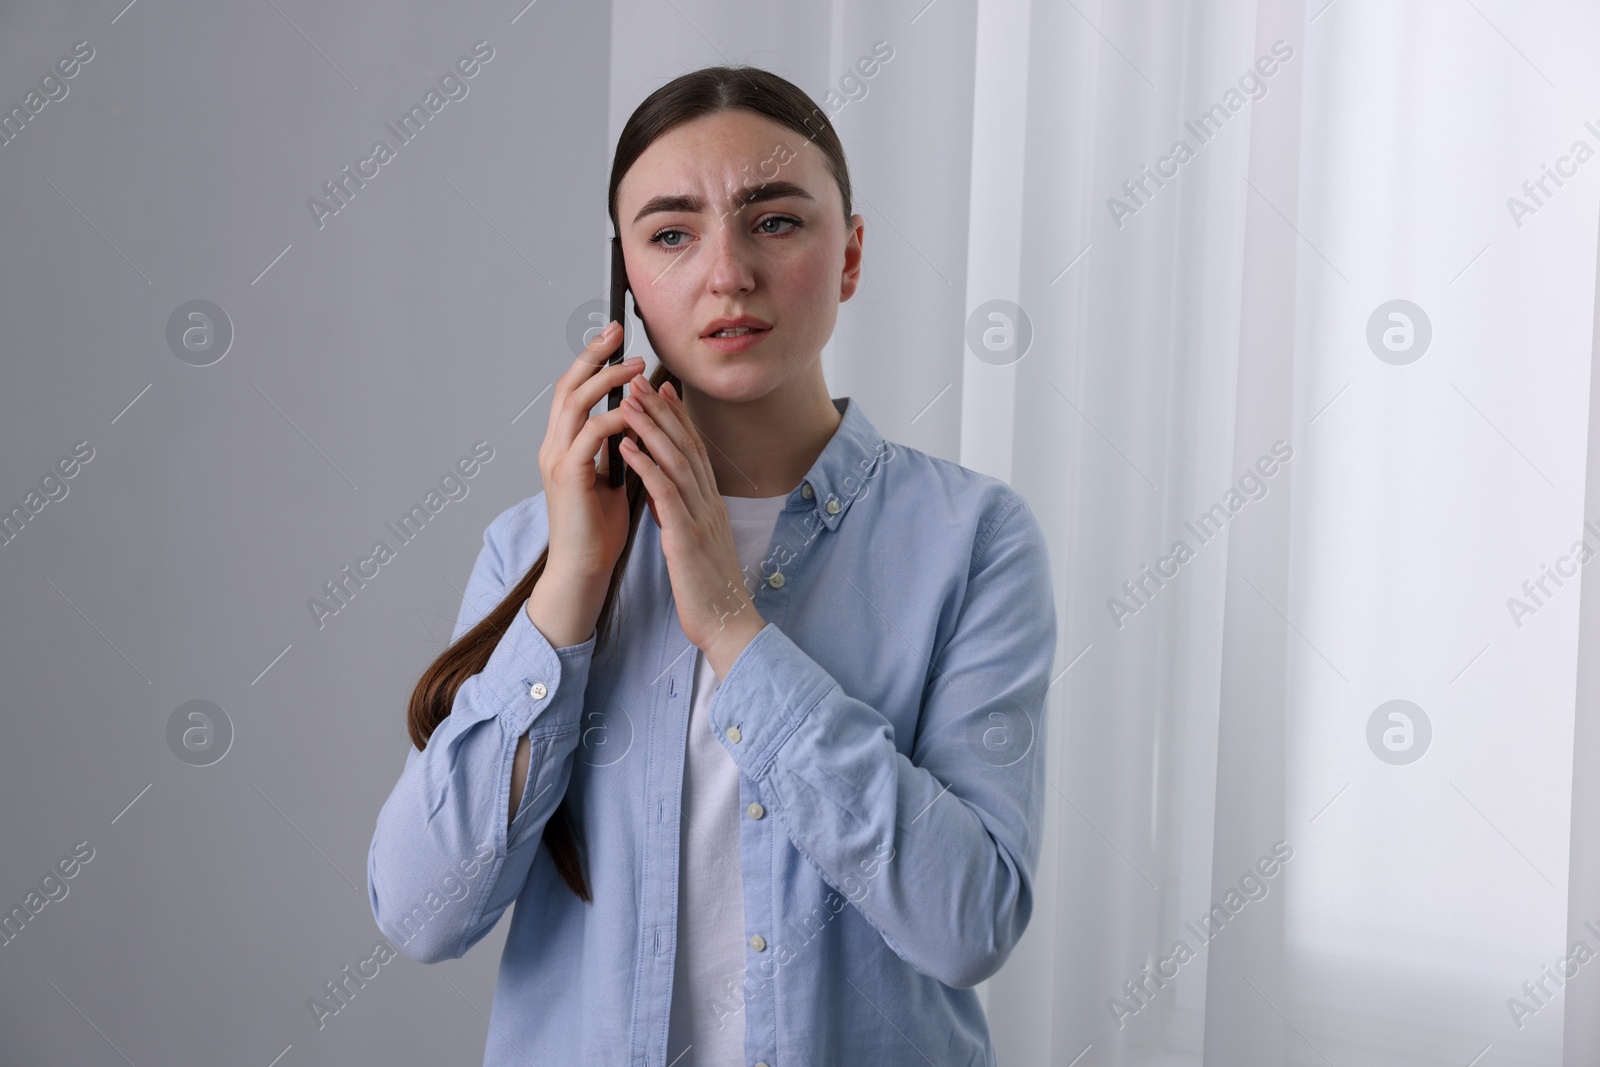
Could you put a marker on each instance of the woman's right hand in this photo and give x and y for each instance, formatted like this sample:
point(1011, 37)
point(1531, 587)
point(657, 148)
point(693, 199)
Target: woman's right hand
point(588, 518)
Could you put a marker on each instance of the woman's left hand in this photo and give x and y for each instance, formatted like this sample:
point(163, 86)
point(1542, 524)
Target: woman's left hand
point(714, 606)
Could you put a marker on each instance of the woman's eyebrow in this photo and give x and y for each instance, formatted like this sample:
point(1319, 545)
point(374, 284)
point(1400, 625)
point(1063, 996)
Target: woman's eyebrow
point(693, 204)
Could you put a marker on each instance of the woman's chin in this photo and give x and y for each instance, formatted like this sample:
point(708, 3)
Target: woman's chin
point(731, 385)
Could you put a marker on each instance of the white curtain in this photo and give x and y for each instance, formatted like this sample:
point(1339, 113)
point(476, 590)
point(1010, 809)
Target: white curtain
point(1321, 778)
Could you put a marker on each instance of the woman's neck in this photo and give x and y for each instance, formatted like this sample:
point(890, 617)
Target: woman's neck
point(763, 448)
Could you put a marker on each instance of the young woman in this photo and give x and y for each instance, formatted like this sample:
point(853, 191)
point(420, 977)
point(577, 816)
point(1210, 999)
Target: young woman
point(764, 772)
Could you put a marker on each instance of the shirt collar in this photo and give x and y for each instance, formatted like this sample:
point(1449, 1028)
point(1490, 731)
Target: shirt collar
point(840, 475)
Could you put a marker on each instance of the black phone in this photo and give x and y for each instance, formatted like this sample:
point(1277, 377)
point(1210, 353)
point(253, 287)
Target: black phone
point(619, 296)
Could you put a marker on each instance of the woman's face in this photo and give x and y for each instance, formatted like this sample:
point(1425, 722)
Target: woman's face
point(730, 216)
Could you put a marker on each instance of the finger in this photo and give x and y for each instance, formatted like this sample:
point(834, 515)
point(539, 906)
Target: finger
point(600, 347)
point(594, 359)
point(580, 389)
point(673, 404)
point(663, 495)
point(602, 463)
point(592, 437)
point(666, 454)
point(685, 436)
point(564, 421)
point(577, 405)
point(589, 361)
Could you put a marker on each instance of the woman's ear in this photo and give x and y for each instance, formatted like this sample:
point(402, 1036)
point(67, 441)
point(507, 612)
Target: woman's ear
point(855, 230)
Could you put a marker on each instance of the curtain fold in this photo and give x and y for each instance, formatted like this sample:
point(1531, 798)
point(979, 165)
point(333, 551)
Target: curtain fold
point(1581, 1037)
point(1246, 1009)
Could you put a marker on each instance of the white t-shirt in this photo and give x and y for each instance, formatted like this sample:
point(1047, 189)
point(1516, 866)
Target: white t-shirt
point(708, 972)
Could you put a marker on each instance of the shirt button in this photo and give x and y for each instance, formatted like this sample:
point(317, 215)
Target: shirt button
point(776, 581)
point(756, 811)
point(832, 505)
point(537, 690)
point(733, 734)
point(807, 492)
point(758, 943)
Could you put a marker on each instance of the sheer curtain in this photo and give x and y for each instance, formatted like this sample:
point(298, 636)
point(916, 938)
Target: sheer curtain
point(1303, 402)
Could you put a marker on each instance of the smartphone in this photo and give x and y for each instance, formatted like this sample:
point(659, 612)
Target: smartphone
point(619, 296)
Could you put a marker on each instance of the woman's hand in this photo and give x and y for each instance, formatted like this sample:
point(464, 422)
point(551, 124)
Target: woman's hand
point(588, 517)
point(714, 607)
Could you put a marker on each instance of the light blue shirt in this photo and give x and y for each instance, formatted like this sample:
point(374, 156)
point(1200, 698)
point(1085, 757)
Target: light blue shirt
point(888, 722)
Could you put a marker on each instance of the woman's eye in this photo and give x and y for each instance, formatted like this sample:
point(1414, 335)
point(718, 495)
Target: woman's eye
point(769, 226)
point(770, 219)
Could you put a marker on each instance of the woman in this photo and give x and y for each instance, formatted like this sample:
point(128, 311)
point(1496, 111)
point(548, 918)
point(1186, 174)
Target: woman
point(782, 742)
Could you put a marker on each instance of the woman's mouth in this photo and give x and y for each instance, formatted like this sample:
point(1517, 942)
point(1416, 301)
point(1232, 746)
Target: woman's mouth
point(735, 338)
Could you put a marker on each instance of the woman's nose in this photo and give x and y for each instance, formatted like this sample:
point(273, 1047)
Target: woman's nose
point(731, 269)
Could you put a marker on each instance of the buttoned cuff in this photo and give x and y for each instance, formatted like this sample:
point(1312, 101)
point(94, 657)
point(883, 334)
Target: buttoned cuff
point(531, 682)
point(769, 690)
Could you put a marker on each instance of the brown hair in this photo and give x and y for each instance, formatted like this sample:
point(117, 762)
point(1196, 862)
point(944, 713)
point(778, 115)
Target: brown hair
point(685, 98)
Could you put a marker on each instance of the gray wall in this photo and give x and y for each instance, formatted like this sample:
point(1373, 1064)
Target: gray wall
point(371, 356)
